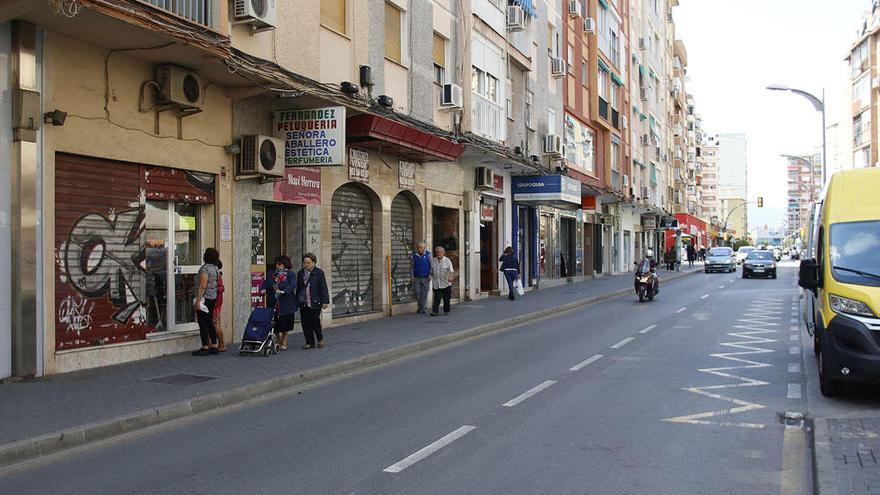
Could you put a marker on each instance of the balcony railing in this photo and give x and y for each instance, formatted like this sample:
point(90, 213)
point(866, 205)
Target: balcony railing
point(198, 11)
point(603, 109)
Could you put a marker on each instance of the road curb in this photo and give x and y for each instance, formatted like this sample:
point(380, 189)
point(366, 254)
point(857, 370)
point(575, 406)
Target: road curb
point(823, 463)
point(32, 448)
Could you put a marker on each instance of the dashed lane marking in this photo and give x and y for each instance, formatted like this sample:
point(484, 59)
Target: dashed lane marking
point(647, 328)
point(528, 394)
point(430, 449)
point(704, 296)
point(720, 286)
point(795, 337)
point(794, 350)
point(794, 391)
point(623, 342)
point(681, 309)
point(794, 367)
point(586, 362)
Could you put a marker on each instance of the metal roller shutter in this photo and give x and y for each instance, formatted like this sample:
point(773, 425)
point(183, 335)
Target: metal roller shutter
point(402, 227)
point(351, 226)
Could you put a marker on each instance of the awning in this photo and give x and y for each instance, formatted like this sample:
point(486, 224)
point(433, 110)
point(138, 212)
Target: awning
point(603, 66)
point(641, 71)
point(604, 3)
point(616, 78)
point(392, 137)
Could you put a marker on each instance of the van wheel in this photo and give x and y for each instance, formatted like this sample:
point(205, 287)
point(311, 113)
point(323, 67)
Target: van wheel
point(827, 385)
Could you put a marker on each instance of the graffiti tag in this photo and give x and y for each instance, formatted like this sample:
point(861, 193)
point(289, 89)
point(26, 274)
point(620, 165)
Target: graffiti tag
point(76, 313)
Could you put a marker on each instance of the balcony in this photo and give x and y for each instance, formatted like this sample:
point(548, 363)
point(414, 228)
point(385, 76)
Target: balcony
point(197, 11)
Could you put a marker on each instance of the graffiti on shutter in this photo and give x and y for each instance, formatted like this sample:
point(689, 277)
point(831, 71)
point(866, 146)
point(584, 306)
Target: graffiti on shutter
point(402, 226)
point(351, 226)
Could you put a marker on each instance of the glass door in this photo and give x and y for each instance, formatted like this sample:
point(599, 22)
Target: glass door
point(186, 231)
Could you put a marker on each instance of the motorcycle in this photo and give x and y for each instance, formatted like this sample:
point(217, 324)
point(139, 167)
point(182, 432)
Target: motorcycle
point(646, 282)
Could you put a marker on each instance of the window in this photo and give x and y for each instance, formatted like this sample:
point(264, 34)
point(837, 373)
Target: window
point(509, 97)
point(585, 75)
point(439, 55)
point(862, 128)
point(579, 141)
point(392, 33)
point(530, 121)
point(614, 92)
point(615, 162)
point(570, 59)
point(603, 93)
point(858, 61)
point(486, 110)
point(333, 15)
point(615, 49)
point(861, 92)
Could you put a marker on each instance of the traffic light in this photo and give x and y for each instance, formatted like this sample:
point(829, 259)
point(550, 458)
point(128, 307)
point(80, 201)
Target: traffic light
point(760, 201)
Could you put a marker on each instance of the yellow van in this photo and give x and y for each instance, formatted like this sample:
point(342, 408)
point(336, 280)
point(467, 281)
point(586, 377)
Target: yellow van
point(842, 280)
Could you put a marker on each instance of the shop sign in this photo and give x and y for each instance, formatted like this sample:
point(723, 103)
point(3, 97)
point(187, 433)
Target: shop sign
point(358, 165)
point(546, 189)
point(314, 137)
point(406, 175)
point(258, 241)
point(225, 227)
point(487, 213)
point(301, 185)
point(258, 299)
point(649, 222)
point(669, 223)
point(498, 184)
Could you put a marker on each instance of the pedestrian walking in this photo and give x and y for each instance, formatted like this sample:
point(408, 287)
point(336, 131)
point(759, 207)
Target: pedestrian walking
point(218, 307)
point(205, 301)
point(691, 254)
point(702, 254)
point(510, 268)
point(280, 287)
point(313, 296)
point(421, 276)
point(442, 275)
point(669, 258)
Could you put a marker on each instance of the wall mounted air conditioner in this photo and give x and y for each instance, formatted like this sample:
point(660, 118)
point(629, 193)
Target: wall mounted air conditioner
point(179, 86)
point(643, 94)
point(574, 8)
point(589, 25)
point(485, 178)
point(261, 14)
point(553, 145)
point(451, 96)
point(557, 67)
point(261, 156)
point(623, 123)
point(516, 18)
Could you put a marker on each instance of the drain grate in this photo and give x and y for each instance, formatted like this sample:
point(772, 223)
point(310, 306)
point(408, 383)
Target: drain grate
point(182, 379)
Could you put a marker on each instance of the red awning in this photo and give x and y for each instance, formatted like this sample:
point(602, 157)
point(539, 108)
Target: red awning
point(392, 137)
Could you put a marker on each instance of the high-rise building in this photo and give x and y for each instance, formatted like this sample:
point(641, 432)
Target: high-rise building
point(709, 180)
point(804, 176)
point(863, 73)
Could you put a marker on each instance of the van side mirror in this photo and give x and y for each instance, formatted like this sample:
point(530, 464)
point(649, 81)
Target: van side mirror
point(808, 274)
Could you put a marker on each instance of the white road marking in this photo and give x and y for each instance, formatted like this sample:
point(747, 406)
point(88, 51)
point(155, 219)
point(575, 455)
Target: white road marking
point(430, 449)
point(732, 280)
point(528, 394)
point(704, 296)
point(793, 320)
point(623, 342)
point(794, 350)
point(794, 367)
point(794, 328)
point(720, 286)
point(681, 309)
point(795, 337)
point(647, 328)
point(586, 362)
point(794, 391)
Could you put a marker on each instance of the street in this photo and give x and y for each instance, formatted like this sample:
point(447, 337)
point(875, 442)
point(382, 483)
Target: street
point(685, 394)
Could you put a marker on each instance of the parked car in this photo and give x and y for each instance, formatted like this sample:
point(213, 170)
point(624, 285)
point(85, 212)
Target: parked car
point(720, 259)
point(742, 252)
point(759, 263)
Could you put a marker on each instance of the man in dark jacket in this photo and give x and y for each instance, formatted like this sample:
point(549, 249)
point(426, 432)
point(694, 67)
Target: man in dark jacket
point(313, 296)
point(421, 276)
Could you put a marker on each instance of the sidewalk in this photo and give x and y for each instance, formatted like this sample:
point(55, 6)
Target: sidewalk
point(847, 456)
point(44, 415)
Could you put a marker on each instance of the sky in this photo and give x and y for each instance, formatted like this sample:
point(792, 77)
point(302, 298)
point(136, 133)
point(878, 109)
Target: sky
point(738, 47)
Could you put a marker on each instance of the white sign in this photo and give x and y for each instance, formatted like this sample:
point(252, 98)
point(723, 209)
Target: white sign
point(406, 174)
point(225, 227)
point(315, 137)
point(358, 165)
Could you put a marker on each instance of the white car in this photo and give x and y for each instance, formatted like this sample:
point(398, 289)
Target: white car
point(743, 252)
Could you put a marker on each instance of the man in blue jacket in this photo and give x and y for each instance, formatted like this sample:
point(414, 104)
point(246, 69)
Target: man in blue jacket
point(421, 276)
point(313, 296)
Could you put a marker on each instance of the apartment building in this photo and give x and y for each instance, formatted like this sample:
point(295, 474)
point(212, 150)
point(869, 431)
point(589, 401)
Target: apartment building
point(864, 74)
point(711, 203)
point(804, 181)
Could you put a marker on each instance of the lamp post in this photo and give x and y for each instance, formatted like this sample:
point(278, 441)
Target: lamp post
point(819, 105)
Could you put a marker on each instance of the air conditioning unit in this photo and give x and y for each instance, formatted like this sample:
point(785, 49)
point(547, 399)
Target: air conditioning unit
point(589, 25)
point(574, 8)
point(646, 140)
point(261, 14)
point(451, 96)
point(516, 18)
point(625, 180)
point(557, 66)
point(485, 178)
point(623, 123)
point(179, 86)
point(261, 156)
point(644, 43)
point(553, 145)
point(643, 94)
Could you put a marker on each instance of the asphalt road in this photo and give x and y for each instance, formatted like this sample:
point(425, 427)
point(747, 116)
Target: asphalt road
point(682, 395)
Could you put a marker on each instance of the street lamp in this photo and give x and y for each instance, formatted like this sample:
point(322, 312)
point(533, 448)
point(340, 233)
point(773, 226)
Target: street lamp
point(819, 105)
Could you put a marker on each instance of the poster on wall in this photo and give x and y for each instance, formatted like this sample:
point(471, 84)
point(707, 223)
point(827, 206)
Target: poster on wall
point(258, 241)
point(258, 299)
point(314, 137)
point(301, 185)
point(359, 166)
point(406, 173)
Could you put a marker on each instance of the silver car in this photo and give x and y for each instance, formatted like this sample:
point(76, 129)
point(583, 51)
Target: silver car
point(720, 259)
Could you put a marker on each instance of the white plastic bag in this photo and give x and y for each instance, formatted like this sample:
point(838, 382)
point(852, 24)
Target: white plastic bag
point(517, 286)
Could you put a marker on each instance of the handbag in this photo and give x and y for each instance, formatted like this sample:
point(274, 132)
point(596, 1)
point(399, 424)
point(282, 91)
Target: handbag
point(517, 286)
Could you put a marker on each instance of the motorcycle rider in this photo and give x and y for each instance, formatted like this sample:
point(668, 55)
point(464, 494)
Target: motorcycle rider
point(652, 264)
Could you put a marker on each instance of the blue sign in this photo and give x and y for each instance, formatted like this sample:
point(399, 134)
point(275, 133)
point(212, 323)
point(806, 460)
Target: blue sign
point(546, 189)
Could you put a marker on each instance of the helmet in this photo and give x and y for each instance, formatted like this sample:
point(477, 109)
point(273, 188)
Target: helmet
point(649, 253)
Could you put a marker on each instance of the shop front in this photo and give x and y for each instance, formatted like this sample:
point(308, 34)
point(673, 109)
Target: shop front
point(558, 230)
point(493, 230)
